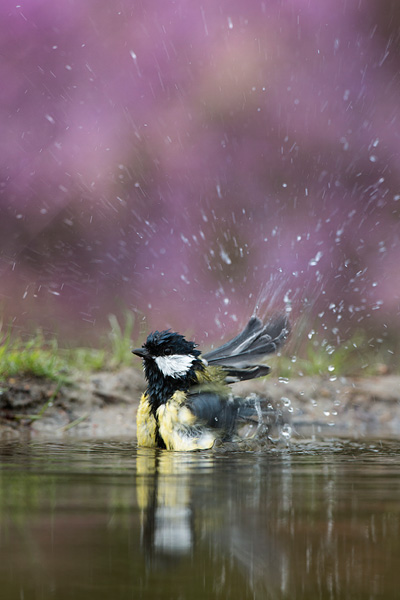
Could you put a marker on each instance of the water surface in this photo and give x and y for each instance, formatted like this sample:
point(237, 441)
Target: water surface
point(91, 519)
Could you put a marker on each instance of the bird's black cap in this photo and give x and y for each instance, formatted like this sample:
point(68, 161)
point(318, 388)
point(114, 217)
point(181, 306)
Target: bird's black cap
point(159, 343)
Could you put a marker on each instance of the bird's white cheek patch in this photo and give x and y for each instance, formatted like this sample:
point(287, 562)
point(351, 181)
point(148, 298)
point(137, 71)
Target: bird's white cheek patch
point(176, 365)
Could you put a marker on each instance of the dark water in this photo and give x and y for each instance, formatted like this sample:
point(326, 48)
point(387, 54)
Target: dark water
point(97, 520)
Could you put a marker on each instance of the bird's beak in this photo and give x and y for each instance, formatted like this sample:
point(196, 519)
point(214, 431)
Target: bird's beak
point(142, 352)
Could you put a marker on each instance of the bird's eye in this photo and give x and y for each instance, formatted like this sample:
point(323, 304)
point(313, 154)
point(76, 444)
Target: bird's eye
point(167, 351)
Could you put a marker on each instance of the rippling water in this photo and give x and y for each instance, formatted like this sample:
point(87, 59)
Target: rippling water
point(107, 520)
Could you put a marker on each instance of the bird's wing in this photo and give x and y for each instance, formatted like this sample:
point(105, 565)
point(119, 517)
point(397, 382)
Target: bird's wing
point(221, 412)
point(213, 409)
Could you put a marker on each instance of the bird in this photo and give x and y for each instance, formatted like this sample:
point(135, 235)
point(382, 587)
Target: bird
point(188, 404)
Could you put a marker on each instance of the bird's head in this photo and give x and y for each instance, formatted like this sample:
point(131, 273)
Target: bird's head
point(169, 357)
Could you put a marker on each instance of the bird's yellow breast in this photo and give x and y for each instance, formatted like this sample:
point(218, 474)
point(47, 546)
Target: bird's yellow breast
point(146, 424)
point(176, 425)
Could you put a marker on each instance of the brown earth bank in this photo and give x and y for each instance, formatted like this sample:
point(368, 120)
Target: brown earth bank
point(103, 405)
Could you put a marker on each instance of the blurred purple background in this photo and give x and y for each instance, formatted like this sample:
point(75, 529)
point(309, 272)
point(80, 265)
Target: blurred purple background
point(190, 161)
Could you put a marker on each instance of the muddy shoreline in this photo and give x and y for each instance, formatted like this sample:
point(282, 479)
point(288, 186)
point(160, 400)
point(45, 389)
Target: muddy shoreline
point(103, 405)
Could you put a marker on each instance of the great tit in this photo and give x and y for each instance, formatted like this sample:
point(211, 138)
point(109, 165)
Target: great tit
point(187, 404)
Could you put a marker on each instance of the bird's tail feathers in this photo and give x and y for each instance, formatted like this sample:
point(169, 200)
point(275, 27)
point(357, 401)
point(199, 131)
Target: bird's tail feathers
point(253, 342)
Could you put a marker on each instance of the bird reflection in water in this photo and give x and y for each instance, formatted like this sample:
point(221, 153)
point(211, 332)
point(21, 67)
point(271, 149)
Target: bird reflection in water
point(164, 499)
point(193, 512)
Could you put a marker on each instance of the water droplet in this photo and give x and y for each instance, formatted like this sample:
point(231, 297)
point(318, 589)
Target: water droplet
point(224, 256)
point(316, 259)
point(286, 431)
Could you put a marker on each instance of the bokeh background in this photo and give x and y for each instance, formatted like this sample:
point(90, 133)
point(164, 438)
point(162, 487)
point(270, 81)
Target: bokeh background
point(191, 161)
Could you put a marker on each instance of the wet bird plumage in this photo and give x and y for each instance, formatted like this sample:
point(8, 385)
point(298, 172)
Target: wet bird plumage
point(187, 404)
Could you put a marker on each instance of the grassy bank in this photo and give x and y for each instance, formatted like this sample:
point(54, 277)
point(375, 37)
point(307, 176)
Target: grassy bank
point(44, 358)
point(40, 357)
